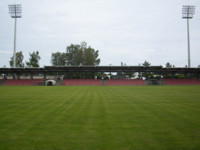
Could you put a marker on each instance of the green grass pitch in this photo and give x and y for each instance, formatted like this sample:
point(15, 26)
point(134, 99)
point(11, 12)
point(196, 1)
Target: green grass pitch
point(100, 118)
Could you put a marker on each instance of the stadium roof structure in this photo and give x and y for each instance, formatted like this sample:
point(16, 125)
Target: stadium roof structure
point(75, 69)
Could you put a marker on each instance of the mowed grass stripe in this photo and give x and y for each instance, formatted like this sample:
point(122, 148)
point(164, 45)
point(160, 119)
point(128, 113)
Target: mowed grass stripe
point(98, 117)
point(137, 123)
point(175, 123)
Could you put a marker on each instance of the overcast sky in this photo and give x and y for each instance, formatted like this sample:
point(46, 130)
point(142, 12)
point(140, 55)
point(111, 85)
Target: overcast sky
point(128, 31)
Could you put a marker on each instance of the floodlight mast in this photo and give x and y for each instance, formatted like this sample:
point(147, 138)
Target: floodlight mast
point(15, 11)
point(188, 11)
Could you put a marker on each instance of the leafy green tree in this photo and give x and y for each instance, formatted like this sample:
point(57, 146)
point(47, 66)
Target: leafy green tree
point(58, 59)
point(74, 55)
point(82, 55)
point(19, 60)
point(146, 64)
point(168, 65)
point(33, 60)
point(91, 56)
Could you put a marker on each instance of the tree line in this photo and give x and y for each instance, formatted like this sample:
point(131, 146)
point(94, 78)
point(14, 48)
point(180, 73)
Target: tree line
point(33, 60)
point(81, 54)
point(76, 54)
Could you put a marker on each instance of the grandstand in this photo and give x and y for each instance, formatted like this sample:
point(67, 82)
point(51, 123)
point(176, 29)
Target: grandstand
point(81, 82)
point(23, 82)
point(181, 82)
point(125, 82)
point(103, 82)
point(98, 82)
point(40, 76)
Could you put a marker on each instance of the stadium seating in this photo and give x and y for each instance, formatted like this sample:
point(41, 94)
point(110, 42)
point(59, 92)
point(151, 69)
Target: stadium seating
point(125, 82)
point(181, 81)
point(81, 82)
point(98, 82)
point(1, 81)
point(23, 82)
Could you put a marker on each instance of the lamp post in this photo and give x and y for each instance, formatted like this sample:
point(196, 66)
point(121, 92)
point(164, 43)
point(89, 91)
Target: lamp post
point(188, 12)
point(15, 11)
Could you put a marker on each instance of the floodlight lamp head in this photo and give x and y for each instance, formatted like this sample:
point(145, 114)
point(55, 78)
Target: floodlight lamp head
point(15, 10)
point(188, 11)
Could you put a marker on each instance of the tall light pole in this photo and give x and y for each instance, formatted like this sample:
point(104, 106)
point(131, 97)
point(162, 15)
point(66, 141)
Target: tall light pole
point(188, 12)
point(15, 11)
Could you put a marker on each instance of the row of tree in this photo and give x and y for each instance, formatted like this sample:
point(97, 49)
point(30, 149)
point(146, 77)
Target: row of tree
point(33, 60)
point(148, 64)
point(75, 55)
